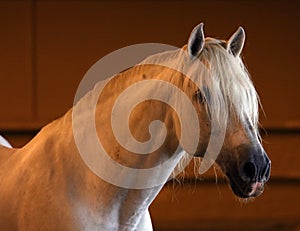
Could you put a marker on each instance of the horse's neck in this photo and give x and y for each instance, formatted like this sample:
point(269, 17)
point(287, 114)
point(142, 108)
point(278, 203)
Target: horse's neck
point(94, 200)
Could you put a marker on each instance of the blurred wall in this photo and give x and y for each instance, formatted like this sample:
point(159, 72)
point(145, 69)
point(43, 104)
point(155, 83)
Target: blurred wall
point(47, 46)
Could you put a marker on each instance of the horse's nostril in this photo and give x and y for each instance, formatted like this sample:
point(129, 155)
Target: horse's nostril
point(249, 171)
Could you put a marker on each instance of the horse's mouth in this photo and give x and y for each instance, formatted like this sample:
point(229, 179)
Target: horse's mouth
point(246, 189)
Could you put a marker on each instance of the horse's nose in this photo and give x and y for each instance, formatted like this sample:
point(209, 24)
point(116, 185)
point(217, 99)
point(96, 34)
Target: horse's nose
point(257, 168)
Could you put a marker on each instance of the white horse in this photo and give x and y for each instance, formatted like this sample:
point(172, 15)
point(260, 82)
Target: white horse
point(49, 185)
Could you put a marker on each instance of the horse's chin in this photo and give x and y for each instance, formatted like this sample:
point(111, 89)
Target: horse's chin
point(244, 189)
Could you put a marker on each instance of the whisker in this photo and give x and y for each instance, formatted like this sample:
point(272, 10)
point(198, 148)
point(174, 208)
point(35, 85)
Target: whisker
point(217, 183)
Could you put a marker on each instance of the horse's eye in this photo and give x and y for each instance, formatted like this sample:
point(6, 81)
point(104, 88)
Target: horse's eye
point(199, 96)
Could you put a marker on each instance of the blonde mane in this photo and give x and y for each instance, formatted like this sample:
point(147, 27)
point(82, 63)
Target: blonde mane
point(223, 81)
point(235, 87)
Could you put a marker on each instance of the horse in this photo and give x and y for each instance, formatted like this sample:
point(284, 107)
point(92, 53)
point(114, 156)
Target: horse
point(49, 184)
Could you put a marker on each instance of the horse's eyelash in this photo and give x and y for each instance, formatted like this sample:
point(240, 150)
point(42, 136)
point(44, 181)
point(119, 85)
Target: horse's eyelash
point(199, 96)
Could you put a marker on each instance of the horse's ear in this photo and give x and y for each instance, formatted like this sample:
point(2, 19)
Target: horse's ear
point(236, 43)
point(196, 41)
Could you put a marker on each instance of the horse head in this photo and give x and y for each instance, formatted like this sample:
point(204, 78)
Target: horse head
point(228, 96)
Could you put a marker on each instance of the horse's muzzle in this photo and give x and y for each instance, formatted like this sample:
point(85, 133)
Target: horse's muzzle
point(252, 173)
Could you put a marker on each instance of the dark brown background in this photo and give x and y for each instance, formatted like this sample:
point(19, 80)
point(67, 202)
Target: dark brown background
point(47, 46)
